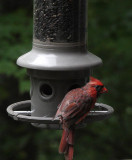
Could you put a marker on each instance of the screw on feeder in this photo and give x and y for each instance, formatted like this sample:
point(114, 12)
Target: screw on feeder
point(58, 62)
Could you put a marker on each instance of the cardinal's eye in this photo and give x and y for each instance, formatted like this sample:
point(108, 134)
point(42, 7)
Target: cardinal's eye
point(98, 88)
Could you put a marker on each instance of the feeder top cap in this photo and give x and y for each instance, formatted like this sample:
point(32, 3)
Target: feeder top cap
point(65, 59)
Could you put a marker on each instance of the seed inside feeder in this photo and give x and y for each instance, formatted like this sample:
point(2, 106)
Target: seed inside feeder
point(60, 21)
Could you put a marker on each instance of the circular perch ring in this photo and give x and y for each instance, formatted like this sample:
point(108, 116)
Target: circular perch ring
point(21, 111)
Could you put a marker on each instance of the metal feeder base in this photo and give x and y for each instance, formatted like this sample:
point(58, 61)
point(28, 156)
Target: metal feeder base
point(21, 111)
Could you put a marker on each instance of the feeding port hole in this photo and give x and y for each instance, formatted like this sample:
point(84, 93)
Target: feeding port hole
point(46, 90)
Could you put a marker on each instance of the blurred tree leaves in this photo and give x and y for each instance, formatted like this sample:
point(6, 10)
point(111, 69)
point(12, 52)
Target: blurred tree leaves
point(109, 37)
point(16, 38)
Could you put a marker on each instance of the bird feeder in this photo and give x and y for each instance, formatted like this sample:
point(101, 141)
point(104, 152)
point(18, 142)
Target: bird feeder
point(58, 62)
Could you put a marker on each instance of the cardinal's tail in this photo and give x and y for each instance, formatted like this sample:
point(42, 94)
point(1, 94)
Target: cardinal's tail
point(63, 143)
point(70, 147)
point(66, 144)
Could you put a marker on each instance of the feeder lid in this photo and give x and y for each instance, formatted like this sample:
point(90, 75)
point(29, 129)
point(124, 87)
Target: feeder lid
point(59, 58)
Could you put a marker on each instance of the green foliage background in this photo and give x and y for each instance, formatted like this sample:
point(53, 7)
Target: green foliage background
point(109, 37)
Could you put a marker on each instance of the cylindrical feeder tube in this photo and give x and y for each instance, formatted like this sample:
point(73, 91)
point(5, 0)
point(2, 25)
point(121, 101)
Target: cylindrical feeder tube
point(60, 21)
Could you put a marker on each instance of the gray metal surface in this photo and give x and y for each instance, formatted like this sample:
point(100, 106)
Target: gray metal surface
point(59, 58)
point(20, 111)
point(46, 94)
point(60, 75)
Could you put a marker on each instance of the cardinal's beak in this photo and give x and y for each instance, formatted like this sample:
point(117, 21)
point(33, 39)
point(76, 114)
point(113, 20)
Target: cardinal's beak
point(104, 90)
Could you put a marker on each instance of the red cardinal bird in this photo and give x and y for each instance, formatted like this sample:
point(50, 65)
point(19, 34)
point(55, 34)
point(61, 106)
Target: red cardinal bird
point(73, 109)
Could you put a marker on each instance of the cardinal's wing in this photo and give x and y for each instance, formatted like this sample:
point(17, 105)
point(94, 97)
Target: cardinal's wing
point(66, 110)
point(75, 113)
